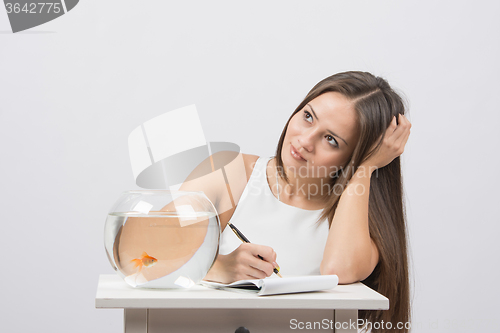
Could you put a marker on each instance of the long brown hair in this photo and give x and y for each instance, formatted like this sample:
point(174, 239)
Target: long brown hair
point(375, 103)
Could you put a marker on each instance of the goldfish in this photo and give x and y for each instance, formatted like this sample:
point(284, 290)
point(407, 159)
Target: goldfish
point(144, 261)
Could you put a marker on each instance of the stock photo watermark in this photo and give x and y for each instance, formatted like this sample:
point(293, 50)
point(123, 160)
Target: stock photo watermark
point(444, 324)
point(360, 324)
point(24, 15)
point(319, 183)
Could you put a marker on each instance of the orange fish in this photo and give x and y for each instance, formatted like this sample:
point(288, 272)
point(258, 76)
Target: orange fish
point(145, 261)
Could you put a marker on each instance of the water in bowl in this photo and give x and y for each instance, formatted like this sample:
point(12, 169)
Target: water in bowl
point(162, 249)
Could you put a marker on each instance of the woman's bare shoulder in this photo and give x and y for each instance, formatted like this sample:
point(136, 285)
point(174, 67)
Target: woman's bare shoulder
point(238, 170)
point(250, 161)
point(237, 164)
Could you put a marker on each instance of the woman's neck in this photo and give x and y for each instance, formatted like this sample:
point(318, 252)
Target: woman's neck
point(298, 189)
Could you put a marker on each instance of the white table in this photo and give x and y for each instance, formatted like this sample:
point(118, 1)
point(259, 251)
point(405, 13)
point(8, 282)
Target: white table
point(206, 310)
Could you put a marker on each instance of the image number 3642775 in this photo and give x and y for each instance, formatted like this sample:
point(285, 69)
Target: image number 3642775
point(26, 14)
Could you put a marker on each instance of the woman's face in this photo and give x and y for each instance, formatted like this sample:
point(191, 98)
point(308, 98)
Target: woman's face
point(321, 137)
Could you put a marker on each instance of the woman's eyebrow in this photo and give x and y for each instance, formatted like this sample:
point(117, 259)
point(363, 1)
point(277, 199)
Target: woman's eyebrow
point(315, 116)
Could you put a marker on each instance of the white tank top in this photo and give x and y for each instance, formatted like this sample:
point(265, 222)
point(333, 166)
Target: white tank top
point(294, 233)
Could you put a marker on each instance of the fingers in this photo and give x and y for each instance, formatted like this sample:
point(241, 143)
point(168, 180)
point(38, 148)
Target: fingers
point(262, 268)
point(253, 261)
point(396, 130)
point(392, 126)
point(266, 258)
point(396, 135)
point(251, 272)
point(404, 127)
point(393, 143)
point(266, 252)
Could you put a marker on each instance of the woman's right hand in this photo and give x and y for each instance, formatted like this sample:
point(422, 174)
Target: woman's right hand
point(243, 264)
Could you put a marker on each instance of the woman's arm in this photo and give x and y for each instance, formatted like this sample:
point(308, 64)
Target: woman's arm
point(224, 186)
point(350, 252)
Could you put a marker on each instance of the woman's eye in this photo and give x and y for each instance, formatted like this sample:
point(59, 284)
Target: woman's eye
point(307, 116)
point(332, 140)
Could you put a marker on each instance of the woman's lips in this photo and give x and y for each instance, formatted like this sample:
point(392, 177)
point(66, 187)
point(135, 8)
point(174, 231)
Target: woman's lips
point(295, 154)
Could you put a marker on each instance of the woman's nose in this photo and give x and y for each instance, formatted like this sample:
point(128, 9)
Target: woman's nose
point(306, 141)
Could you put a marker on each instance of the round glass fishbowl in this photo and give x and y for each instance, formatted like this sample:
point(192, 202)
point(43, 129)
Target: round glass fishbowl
point(162, 238)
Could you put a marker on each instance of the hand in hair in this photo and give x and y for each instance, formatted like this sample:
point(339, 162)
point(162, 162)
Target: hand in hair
point(392, 145)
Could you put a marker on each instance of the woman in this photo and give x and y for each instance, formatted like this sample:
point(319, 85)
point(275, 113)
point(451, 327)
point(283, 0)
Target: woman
point(330, 201)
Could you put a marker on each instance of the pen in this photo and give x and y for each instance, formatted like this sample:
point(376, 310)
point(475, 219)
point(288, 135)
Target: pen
point(245, 240)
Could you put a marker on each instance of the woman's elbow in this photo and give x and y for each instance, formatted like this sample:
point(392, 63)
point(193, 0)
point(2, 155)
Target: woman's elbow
point(351, 267)
point(344, 272)
point(348, 272)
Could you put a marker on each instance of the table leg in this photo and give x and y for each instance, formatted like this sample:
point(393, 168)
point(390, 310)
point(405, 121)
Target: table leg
point(135, 320)
point(346, 321)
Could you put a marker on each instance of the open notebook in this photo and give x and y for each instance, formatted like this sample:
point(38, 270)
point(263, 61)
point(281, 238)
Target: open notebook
point(286, 285)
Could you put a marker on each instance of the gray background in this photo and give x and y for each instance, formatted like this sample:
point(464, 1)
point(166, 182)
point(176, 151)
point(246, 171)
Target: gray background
point(73, 89)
